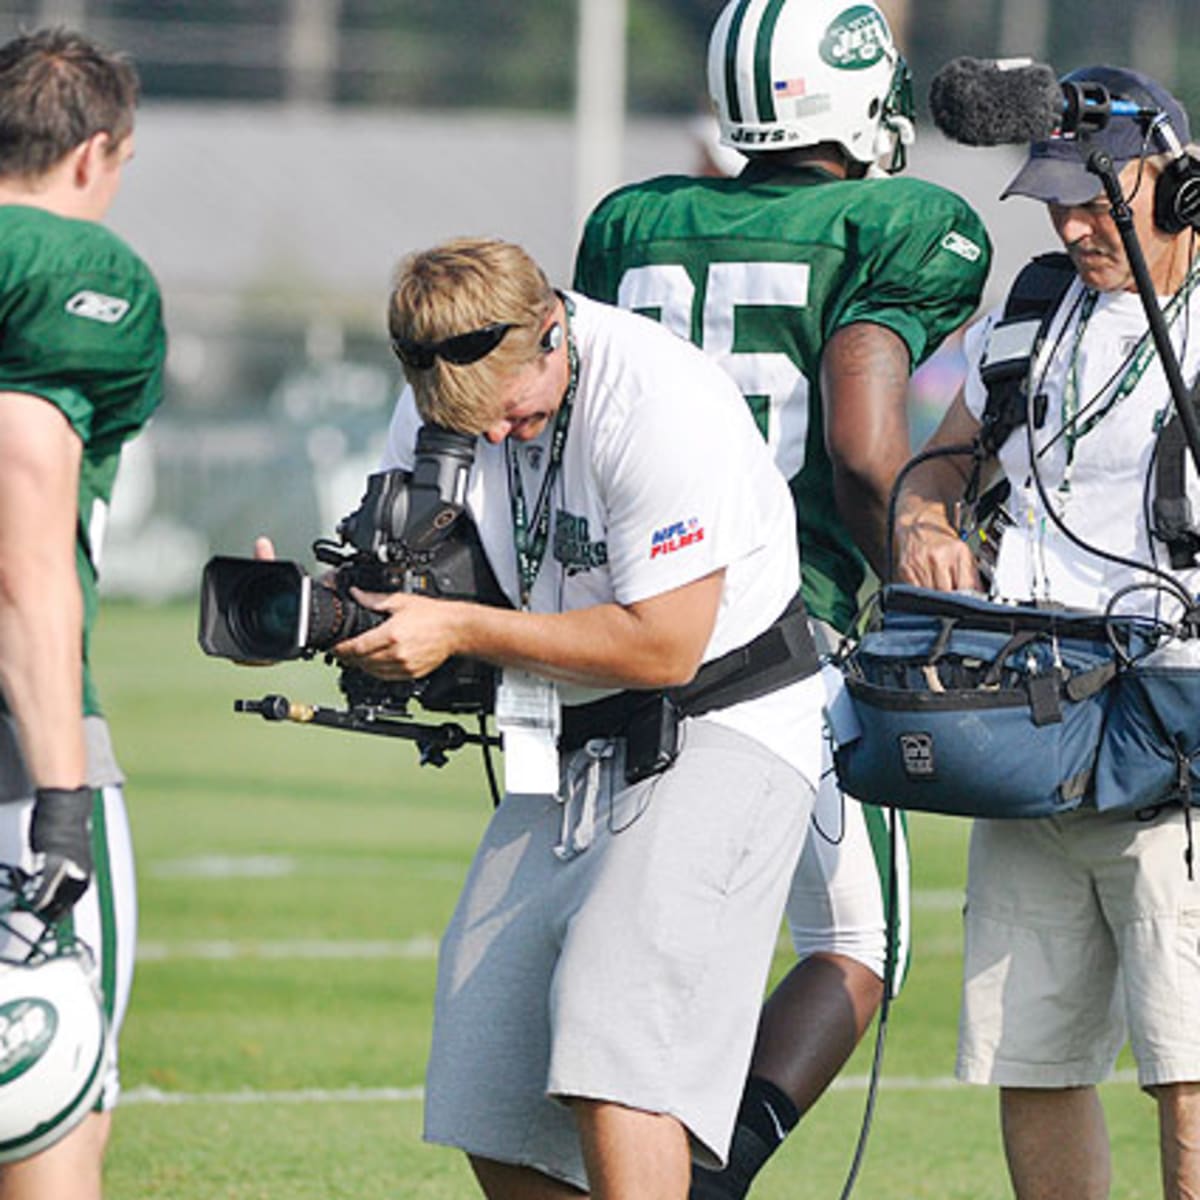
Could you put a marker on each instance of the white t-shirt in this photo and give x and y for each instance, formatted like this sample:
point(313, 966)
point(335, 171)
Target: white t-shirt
point(1109, 485)
point(664, 479)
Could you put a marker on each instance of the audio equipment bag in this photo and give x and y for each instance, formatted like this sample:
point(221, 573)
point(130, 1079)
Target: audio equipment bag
point(979, 709)
point(1151, 742)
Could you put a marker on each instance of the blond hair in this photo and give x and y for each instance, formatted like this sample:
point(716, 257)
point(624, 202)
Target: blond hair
point(456, 287)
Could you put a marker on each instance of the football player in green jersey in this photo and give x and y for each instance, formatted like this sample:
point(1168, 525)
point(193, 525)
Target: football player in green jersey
point(820, 282)
point(81, 355)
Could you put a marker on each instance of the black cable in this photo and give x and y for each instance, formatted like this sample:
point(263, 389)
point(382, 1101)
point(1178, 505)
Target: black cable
point(1170, 582)
point(891, 935)
point(488, 766)
point(1032, 392)
point(1121, 367)
point(1100, 163)
point(971, 449)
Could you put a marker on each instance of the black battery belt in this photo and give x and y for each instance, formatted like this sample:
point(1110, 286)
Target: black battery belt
point(782, 654)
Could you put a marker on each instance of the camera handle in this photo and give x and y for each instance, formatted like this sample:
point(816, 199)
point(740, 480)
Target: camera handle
point(433, 741)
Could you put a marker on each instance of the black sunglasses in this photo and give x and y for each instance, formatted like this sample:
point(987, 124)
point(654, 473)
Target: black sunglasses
point(460, 349)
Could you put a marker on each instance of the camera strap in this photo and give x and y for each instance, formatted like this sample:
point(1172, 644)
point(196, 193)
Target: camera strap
point(531, 531)
point(782, 654)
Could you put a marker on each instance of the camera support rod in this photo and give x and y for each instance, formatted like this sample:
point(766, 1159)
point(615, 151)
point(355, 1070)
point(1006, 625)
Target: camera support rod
point(1100, 163)
point(433, 741)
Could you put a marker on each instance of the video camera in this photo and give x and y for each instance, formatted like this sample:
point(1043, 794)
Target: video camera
point(411, 533)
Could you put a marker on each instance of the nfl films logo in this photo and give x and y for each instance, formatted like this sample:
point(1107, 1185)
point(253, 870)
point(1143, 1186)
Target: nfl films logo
point(916, 753)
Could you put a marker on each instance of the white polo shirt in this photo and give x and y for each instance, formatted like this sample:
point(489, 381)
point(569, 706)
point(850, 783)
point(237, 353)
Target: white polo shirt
point(1103, 495)
point(664, 479)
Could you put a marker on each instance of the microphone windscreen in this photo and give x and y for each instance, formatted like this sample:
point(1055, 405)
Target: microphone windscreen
point(981, 102)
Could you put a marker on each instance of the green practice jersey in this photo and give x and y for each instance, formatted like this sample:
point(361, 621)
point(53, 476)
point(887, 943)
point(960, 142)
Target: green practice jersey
point(760, 271)
point(81, 326)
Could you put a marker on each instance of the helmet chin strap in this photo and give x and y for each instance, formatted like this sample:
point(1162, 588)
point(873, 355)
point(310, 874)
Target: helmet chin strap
point(895, 133)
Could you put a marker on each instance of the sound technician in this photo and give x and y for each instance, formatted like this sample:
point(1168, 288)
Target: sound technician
point(1081, 930)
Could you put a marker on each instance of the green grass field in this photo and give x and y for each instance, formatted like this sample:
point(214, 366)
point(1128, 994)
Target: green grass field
point(293, 884)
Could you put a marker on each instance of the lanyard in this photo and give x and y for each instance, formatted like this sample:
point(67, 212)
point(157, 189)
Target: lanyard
point(531, 535)
point(1140, 359)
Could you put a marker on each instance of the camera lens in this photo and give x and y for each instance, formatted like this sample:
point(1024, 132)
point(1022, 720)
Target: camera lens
point(265, 615)
point(336, 616)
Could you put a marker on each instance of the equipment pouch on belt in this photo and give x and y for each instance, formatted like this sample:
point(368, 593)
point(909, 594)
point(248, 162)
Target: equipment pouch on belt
point(652, 743)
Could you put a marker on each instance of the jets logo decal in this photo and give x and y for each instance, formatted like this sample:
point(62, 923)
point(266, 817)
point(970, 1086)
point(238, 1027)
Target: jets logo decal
point(26, 1029)
point(855, 40)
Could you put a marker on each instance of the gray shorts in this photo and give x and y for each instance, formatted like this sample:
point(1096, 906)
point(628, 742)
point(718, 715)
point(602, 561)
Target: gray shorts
point(614, 948)
point(1079, 928)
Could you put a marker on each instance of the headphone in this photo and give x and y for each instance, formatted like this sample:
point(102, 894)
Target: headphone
point(1177, 195)
point(1177, 189)
point(553, 337)
point(1176, 204)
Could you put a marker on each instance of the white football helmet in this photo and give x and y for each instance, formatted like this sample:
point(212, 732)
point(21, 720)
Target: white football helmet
point(54, 1043)
point(789, 73)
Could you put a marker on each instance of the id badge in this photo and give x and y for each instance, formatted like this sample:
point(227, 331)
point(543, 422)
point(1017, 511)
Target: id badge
point(528, 718)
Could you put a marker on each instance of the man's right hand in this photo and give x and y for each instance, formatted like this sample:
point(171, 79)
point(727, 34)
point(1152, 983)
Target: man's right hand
point(930, 554)
point(61, 839)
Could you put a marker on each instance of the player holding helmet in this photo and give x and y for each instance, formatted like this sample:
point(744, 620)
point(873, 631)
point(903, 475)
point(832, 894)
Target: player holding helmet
point(54, 1047)
point(819, 283)
point(81, 357)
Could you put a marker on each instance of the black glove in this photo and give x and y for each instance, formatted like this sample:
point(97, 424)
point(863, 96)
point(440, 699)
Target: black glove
point(61, 834)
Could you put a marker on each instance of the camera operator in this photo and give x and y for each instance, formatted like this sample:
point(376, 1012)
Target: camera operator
point(81, 357)
point(1079, 928)
point(599, 983)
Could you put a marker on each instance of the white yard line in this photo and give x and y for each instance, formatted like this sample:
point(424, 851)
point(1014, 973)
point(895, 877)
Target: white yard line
point(407, 1095)
point(152, 1095)
point(423, 946)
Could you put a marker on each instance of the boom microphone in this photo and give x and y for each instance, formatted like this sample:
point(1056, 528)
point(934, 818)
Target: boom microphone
point(990, 102)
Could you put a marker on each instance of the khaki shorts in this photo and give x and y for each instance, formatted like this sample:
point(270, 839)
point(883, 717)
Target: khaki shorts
point(614, 948)
point(1079, 929)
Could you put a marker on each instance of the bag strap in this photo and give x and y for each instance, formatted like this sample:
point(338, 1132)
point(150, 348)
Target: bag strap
point(1173, 520)
point(1022, 637)
point(1013, 343)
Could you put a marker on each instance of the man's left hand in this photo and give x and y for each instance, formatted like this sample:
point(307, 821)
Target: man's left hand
point(61, 838)
point(418, 636)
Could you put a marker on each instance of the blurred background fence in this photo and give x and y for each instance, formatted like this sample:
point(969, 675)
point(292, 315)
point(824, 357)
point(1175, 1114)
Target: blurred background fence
point(289, 152)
